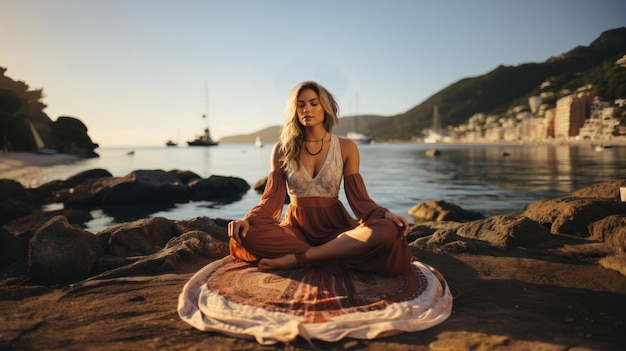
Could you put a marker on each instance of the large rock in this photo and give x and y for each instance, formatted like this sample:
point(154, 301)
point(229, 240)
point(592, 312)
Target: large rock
point(142, 237)
point(572, 215)
point(215, 227)
point(184, 176)
point(612, 231)
point(60, 252)
point(607, 190)
point(18, 201)
point(185, 247)
point(442, 211)
point(197, 244)
point(218, 187)
point(137, 188)
point(24, 227)
point(146, 186)
point(78, 178)
point(506, 232)
point(12, 248)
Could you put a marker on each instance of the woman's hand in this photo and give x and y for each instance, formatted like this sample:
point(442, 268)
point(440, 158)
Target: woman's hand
point(238, 229)
point(400, 221)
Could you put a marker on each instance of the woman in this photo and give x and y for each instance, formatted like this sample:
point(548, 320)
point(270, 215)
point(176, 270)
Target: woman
point(309, 162)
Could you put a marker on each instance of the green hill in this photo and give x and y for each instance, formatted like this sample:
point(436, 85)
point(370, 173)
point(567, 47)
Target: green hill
point(270, 135)
point(495, 92)
point(508, 86)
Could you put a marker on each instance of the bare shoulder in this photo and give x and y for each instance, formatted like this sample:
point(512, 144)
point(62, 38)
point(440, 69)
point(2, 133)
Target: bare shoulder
point(347, 145)
point(349, 151)
point(276, 149)
point(277, 154)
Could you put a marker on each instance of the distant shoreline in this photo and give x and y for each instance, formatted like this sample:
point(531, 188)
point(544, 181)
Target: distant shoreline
point(590, 143)
point(14, 165)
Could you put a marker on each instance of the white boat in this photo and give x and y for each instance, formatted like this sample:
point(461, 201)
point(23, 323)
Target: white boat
point(355, 135)
point(435, 135)
point(359, 138)
point(258, 142)
point(40, 146)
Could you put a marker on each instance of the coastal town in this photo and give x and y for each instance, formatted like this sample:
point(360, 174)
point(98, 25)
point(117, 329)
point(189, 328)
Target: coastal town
point(563, 116)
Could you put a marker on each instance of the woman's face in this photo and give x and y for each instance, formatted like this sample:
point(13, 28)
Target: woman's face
point(310, 110)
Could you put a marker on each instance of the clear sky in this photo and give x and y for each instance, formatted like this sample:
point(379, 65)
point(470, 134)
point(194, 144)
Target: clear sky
point(134, 71)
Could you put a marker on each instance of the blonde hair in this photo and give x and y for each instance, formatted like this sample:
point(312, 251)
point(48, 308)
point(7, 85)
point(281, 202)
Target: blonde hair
point(292, 133)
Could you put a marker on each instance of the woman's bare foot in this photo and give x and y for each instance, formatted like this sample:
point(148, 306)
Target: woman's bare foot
point(284, 262)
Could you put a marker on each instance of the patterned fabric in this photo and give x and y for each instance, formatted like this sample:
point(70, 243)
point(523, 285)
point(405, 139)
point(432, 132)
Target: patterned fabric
point(326, 182)
point(231, 297)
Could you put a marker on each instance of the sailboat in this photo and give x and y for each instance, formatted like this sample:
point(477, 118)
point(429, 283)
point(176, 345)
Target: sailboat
point(39, 144)
point(204, 139)
point(355, 135)
point(258, 142)
point(435, 135)
point(171, 143)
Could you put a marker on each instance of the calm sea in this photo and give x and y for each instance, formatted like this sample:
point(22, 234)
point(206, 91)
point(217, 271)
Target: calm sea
point(398, 176)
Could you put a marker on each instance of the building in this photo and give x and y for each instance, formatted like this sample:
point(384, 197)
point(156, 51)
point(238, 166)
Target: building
point(571, 112)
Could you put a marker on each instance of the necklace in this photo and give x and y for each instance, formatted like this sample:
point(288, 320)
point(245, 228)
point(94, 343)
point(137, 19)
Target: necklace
point(318, 140)
point(306, 148)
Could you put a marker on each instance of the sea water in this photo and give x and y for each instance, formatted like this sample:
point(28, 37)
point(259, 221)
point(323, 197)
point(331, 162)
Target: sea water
point(397, 176)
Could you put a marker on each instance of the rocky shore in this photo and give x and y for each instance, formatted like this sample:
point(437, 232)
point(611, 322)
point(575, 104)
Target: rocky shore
point(550, 277)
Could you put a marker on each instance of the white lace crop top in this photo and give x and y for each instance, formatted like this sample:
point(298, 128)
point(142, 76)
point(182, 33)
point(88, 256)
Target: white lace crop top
point(327, 181)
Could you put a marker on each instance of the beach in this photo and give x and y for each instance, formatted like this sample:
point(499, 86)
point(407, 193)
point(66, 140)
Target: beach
point(14, 165)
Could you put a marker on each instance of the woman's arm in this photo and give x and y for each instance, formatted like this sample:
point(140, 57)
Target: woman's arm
point(358, 198)
point(271, 205)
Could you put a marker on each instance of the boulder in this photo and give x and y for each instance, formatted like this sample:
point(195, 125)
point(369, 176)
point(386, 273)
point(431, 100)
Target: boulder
point(260, 184)
point(184, 176)
point(60, 252)
point(218, 187)
point(88, 194)
point(24, 227)
point(197, 243)
point(612, 231)
point(78, 178)
point(217, 228)
point(18, 201)
point(12, 249)
point(607, 190)
point(572, 215)
point(447, 240)
point(146, 186)
point(442, 211)
point(506, 232)
point(142, 237)
point(187, 246)
point(138, 187)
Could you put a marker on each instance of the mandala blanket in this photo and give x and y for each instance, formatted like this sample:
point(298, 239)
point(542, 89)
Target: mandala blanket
point(234, 298)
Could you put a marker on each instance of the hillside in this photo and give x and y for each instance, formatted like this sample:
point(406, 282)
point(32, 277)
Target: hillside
point(494, 92)
point(506, 86)
point(270, 135)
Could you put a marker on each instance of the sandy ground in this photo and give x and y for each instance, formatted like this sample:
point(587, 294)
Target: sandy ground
point(503, 301)
point(15, 165)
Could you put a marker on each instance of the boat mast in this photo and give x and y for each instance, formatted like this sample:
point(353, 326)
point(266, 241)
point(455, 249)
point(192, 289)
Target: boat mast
point(206, 102)
point(356, 112)
point(436, 123)
point(207, 134)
